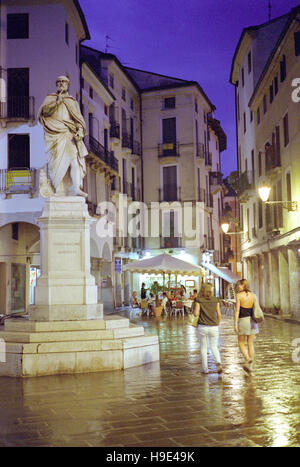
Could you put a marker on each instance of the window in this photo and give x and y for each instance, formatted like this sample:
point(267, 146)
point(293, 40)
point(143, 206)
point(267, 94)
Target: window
point(288, 187)
point(265, 103)
point(18, 26)
point(15, 231)
point(244, 118)
point(91, 93)
point(249, 62)
point(271, 91)
point(131, 104)
point(243, 77)
point(283, 69)
point(251, 116)
point(260, 213)
point(111, 81)
point(286, 130)
point(276, 85)
point(18, 151)
point(259, 164)
point(258, 116)
point(124, 94)
point(196, 106)
point(238, 107)
point(169, 103)
point(297, 43)
point(67, 33)
point(105, 109)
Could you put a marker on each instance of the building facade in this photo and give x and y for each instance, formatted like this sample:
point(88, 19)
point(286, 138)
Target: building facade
point(151, 138)
point(265, 64)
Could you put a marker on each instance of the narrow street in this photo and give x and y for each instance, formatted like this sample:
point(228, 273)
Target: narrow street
point(168, 403)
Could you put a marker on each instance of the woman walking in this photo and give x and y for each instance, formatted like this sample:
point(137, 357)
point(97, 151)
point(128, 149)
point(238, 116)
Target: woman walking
point(207, 308)
point(244, 325)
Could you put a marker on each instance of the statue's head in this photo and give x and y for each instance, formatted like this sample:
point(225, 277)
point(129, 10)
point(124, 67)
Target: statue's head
point(62, 83)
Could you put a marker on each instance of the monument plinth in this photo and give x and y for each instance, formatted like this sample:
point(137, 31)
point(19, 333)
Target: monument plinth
point(66, 331)
point(66, 289)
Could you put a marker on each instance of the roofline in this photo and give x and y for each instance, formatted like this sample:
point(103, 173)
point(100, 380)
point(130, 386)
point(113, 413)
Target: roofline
point(289, 21)
point(244, 32)
point(113, 57)
point(181, 85)
point(83, 20)
point(216, 127)
point(84, 62)
point(156, 74)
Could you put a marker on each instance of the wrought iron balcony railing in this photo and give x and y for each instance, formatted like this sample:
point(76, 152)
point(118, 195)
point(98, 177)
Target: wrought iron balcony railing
point(273, 159)
point(19, 180)
point(114, 130)
point(102, 153)
point(200, 150)
point(168, 149)
point(18, 108)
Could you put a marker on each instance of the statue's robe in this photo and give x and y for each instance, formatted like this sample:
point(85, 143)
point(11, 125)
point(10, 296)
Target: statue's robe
point(59, 130)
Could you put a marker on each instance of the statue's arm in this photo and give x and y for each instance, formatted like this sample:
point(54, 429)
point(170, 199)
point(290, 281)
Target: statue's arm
point(50, 107)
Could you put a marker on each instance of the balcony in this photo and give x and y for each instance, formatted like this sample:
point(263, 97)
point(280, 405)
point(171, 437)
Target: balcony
point(245, 184)
point(200, 150)
point(102, 153)
point(169, 192)
point(114, 131)
point(208, 159)
point(168, 150)
point(170, 242)
point(209, 200)
point(126, 141)
point(136, 148)
point(18, 108)
point(273, 159)
point(18, 181)
point(215, 181)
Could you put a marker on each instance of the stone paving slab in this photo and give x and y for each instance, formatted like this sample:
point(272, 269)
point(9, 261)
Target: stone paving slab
point(167, 403)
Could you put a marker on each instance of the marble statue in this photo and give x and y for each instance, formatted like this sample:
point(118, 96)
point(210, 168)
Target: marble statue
point(64, 130)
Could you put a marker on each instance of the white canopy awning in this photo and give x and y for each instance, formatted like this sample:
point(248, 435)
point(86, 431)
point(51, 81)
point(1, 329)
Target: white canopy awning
point(164, 264)
point(224, 273)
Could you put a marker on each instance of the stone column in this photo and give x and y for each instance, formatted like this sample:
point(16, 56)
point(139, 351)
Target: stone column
point(274, 282)
point(249, 272)
point(255, 275)
point(294, 278)
point(66, 289)
point(284, 284)
point(267, 301)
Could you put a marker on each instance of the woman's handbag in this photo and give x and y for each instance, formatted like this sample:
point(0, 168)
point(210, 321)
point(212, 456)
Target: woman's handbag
point(258, 315)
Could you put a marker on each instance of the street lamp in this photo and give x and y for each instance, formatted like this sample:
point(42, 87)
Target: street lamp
point(225, 228)
point(264, 193)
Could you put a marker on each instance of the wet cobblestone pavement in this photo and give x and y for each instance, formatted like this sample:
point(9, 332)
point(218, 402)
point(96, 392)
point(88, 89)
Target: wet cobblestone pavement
point(169, 403)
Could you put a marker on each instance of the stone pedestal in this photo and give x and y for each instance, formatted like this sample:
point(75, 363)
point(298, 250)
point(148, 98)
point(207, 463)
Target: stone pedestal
point(66, 289)
point(66, 332)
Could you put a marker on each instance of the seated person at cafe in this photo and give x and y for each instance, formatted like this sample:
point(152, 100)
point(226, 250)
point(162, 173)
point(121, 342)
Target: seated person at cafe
point(134, 300)
point(183, 293)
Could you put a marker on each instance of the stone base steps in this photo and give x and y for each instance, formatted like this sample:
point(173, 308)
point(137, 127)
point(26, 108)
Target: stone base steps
point(35, 348)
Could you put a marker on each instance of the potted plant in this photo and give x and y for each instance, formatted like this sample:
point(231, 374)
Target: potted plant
point(156, 290)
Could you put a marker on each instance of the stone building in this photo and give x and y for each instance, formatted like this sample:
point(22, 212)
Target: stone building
point(265, 63)
point(150, 138)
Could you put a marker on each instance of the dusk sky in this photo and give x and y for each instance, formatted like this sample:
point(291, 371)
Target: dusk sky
point(188, 39)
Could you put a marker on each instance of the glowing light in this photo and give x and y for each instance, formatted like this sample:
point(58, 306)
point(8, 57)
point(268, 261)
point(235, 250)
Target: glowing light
point(264, 192)
point(225, 227)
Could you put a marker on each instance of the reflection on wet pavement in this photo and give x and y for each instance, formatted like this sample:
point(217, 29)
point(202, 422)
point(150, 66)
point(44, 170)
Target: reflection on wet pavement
point(169, 403)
